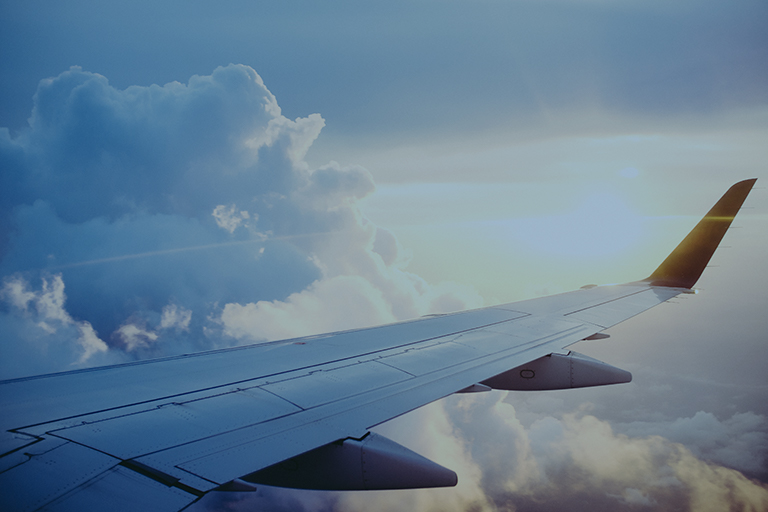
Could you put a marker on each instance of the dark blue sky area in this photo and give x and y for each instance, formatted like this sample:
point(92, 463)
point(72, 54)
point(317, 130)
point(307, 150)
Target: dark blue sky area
point(401, 66)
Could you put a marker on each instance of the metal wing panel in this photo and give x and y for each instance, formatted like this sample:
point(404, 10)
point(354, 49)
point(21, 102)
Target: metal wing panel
point(47, 398)
point(424, 360)
point(615, 311)
point(564, 303)
point(48, 470)
point(239, 453)
point(213, 458)
point(234, 454)
point(325, 386)
point(133, 435)
point(122, 490)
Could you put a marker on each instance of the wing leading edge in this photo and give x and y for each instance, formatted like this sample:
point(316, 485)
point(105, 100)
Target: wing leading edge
point(158, 435)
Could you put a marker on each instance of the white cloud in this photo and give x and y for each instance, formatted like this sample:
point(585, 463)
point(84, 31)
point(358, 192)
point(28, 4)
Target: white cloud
point(571, 461)
point(134, 336)
point(46, 329)
point(361, 296)
point(15, 291)
point(341, 302)
point(89, 341)
point(578, 454)
point(227, 218)
point(50, 301)
point(156, 248)
point(632, 496)
point(176, 317)
point(159, 248)
point(295, 137)
point(739, 442)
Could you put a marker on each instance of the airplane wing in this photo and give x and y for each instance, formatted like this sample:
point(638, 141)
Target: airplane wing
point(157, 435)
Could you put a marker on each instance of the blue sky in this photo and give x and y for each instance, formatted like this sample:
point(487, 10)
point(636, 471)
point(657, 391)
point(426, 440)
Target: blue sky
point(366, 162)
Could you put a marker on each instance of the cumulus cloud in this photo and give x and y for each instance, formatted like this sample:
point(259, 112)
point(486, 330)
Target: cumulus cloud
point(579, 459)
point(348, 301)
point(579, 462)
point(173, 212)
point(175, 317)
point(739, 442)
point(135, 336)
point(227, 218)
point(571, 461)
point(38, 331)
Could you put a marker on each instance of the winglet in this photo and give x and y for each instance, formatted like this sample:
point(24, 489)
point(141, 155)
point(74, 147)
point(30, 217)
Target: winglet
point(684, 265)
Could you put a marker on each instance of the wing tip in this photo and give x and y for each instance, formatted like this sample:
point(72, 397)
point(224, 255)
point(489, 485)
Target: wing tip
point(683, 267)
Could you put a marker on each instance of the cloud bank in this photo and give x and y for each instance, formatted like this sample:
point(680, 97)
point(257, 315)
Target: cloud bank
point(571, 461)
point(157, 220)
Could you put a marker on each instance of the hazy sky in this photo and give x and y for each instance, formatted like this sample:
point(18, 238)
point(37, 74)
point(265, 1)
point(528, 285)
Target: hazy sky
point(210, 175)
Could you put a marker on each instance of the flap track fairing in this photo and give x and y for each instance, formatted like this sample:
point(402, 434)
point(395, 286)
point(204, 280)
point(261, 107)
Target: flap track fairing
point(370, 463)
point(558, 371)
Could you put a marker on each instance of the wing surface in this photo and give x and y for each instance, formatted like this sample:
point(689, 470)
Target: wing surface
point(157, 435)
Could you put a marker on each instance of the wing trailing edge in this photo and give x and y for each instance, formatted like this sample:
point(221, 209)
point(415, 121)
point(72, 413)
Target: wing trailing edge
point(684, 265)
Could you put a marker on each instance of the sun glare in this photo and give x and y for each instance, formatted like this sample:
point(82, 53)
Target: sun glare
point(602, 226)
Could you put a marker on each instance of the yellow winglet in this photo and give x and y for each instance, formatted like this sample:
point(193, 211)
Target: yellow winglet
point(684, 265)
